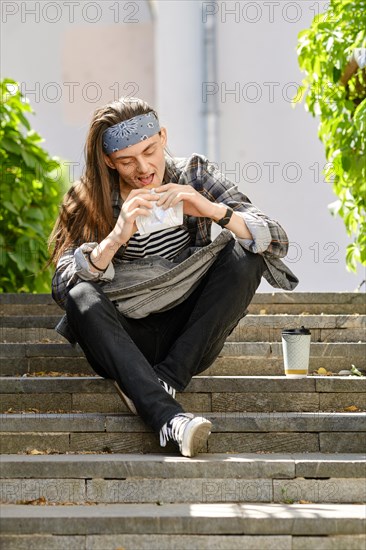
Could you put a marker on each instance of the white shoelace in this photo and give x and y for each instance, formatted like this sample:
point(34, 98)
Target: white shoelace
point(174, 428)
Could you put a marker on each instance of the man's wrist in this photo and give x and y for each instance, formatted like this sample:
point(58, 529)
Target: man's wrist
point(115, 242)
point(100, 269)
point(103, 253)
point(218, 212)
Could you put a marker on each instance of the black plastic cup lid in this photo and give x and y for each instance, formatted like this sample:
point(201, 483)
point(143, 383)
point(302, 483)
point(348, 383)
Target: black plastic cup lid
point(301, 330)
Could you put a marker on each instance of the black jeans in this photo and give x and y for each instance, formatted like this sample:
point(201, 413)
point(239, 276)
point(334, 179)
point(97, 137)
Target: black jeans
point(173, 345)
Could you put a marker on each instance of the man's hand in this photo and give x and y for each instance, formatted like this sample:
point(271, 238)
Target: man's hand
point(194, 204)
point(138, 203)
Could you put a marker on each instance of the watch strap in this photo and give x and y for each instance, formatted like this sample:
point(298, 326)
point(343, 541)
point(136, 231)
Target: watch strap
point(225, 220)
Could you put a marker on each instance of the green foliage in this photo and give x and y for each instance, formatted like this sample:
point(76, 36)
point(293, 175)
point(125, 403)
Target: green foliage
point(31, 184)
point(324, 51)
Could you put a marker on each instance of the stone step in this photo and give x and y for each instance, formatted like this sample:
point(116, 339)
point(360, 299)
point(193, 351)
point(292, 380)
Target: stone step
point(279, 297)
point(192, 519)
point(324, 328)
point(179, 542)
point(232, 432)
point(98, 491)
point(253, 328)
point(307, 304)
point(271, 302)
point(223, 366)
point(285, 466)
point(279, 321)
point(236, 358)
point(213, 394)
point(209, 478)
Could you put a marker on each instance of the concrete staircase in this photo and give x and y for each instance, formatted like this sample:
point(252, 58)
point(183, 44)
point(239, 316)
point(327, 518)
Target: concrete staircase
point(284, 467)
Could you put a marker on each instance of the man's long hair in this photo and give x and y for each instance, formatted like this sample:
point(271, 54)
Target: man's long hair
point(86, 211)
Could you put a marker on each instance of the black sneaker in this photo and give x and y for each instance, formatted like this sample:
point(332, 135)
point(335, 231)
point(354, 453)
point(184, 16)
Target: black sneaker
point(189, 432)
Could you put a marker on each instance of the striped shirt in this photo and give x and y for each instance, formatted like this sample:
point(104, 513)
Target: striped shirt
point(166, 243)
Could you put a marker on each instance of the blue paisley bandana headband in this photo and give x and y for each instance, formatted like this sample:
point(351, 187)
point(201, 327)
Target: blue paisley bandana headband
point(129, 132)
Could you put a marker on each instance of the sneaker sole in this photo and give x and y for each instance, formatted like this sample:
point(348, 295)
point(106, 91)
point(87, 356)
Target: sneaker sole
point(127, 401)
point(197, 437)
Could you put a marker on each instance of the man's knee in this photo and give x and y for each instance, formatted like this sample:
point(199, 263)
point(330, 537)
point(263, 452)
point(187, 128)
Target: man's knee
point(81, 297)
point(245, 264)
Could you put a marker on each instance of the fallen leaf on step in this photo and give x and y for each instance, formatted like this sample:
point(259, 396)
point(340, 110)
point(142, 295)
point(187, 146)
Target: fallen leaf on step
point(262, 312)
point(63, 374)
point(41, 501)
point(305, 502)
point(351, 408)
point(355, 371)
point(45, 452)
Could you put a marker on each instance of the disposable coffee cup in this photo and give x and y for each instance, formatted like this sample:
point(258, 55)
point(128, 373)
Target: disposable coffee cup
point(296, 351)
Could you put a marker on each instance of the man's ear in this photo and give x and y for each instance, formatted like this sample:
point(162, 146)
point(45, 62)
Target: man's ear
point(109, 162)
point(163, 136)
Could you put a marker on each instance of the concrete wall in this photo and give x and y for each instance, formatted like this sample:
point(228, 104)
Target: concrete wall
point(73, 57)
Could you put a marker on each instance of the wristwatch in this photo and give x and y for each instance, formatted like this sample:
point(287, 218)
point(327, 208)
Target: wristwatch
point(225, 220)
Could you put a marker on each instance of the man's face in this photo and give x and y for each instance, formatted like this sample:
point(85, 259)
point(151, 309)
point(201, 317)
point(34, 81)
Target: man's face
point(141, 164)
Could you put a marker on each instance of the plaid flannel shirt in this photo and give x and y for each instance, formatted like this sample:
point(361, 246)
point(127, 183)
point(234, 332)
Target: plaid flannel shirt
point(269, 238)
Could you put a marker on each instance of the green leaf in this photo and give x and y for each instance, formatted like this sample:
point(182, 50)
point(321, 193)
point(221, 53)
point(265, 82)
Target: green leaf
point(24, 121)
point(18, 259)
point(346, 163)
point(11, 146)
point(10, 207)
point(337, 73)
point(35, 214)
point(30, 160)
